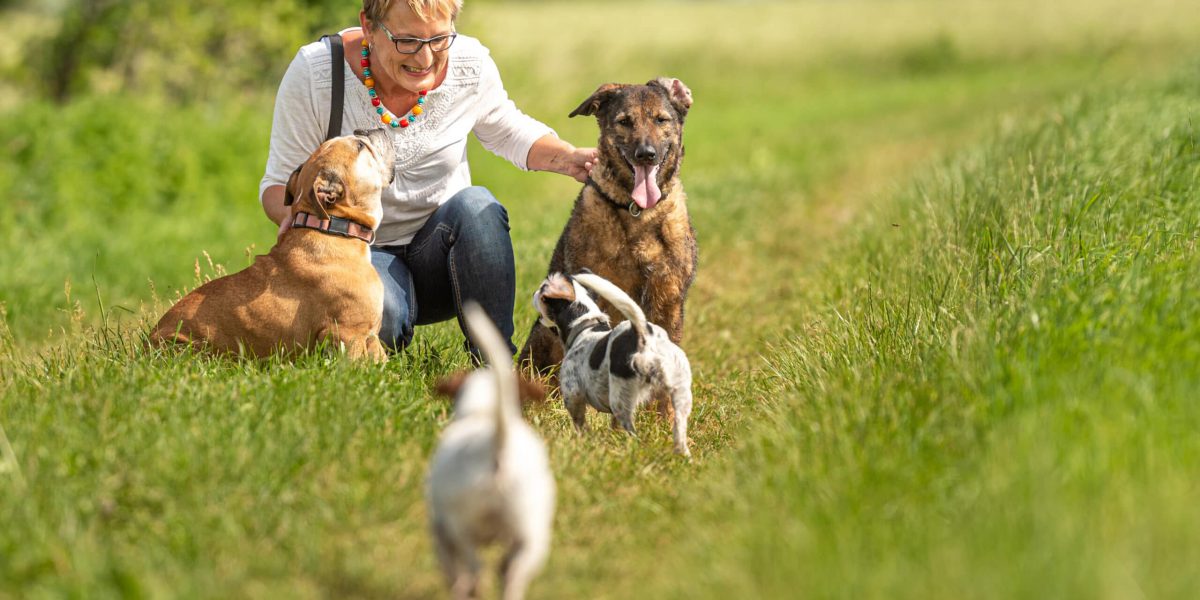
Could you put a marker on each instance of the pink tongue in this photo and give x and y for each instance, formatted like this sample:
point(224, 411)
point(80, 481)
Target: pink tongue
point(645, 188)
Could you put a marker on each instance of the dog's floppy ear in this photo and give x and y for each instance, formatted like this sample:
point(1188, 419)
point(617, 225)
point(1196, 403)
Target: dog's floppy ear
point(289, 196)
point(530, 391)
point(450, 384)
point(602, 94)
point(679, 94)
point(558, 286)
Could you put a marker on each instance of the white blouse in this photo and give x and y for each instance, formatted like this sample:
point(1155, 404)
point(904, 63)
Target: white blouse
point(431, 154)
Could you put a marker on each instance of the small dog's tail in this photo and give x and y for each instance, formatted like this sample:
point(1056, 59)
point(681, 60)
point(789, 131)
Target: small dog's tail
point(495, 352)
point(618, 298)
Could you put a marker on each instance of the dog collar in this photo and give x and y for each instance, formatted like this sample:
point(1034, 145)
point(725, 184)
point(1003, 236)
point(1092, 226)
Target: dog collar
point(334, 226)
point(594, 323)
point(634, 209)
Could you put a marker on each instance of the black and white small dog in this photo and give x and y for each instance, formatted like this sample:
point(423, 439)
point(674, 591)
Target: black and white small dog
point(615, 370)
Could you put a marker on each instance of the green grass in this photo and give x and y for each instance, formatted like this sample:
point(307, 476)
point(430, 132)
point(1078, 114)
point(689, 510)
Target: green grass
point(992, 392)
point(944, 327)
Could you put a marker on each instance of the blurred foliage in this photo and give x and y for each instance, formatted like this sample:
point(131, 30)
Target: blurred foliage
point(187, 51)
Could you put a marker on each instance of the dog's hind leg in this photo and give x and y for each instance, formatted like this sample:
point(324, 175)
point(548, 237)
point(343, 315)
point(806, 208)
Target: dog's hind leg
point(447, 554)
point(460, 564)
point(577, 408)
point(624, 397)
point(681, 400)
point(521, 563)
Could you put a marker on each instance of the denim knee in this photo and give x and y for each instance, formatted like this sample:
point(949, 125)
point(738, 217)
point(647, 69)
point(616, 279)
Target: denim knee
point(396, 331)
point(476, 209)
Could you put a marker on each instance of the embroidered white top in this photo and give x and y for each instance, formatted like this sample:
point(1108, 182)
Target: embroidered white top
point(431, 154)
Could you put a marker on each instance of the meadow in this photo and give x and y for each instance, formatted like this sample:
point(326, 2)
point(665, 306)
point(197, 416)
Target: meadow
point(945, 327)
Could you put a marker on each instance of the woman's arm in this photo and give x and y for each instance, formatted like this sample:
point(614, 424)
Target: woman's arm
point(272, 202)
point(297, 128)
point(549, 153)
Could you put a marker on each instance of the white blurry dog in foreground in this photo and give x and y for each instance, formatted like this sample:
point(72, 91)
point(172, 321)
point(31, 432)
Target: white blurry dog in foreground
point(490, 480)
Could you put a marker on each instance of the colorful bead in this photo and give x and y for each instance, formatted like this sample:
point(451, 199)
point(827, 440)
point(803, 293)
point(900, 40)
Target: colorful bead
point(387, 117)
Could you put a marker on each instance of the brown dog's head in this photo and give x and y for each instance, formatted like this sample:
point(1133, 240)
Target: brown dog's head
point(345, 178)
point(641, 133)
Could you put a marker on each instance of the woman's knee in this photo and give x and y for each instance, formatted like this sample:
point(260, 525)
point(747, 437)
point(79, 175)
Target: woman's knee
point(396, 330)
point(476, 207)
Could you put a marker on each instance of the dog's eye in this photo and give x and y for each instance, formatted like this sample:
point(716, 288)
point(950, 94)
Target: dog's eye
point(624, 121)
point(663, 120)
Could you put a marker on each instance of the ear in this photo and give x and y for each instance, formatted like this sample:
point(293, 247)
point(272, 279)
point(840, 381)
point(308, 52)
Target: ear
point(558, 286)
point(449, 385)
point(679, 94)
point(530, 391)
point(594, 102)
point(289, 192)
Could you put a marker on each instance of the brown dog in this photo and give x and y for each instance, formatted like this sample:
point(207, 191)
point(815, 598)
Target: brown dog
point(630, 223)
point(317, 283)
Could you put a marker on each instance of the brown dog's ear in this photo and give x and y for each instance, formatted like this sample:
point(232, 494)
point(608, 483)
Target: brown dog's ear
point(679, 94)
point(530, 391)
point(450, 384)
point(558, 286)
point(602, 94)
point(289, 195)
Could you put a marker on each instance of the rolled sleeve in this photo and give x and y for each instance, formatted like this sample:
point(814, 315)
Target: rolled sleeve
point(295, 127)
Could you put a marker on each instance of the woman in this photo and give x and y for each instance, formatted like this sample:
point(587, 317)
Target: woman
point(441, 241)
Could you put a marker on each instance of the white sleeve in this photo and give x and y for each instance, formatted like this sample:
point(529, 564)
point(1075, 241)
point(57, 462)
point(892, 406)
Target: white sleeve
point(296, 128)
point(501, 127)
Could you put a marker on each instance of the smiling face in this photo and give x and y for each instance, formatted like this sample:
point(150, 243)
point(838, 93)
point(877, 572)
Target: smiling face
point(345, 177)
point(412, 72)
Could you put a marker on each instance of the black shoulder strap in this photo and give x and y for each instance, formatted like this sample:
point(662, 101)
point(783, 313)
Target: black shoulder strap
point(337, 55)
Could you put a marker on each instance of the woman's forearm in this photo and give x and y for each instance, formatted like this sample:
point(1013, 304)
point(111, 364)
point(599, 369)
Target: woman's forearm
point(549, 153)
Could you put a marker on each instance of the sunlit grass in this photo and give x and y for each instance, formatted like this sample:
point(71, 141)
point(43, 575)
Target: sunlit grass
point(919, 374)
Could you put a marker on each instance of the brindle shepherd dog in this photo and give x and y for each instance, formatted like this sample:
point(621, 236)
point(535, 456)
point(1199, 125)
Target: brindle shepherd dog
point(630, 223)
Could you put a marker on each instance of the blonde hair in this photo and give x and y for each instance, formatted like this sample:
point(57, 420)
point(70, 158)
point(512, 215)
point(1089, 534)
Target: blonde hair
point(426, 10)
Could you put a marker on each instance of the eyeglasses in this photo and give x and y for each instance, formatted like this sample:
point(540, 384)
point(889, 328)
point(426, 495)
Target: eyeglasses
point(409, 45)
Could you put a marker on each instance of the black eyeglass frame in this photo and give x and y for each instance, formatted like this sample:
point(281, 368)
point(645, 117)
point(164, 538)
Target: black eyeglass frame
point(421, 41)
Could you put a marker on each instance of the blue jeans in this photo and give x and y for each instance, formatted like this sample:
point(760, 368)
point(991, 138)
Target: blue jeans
point(463, 252)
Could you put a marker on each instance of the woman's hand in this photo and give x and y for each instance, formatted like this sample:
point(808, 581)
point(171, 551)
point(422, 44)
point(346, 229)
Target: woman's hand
point(552, 154)
point(579, 163)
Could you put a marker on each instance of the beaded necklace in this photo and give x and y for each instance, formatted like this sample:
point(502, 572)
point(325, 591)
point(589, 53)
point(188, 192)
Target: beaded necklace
point(386, 115)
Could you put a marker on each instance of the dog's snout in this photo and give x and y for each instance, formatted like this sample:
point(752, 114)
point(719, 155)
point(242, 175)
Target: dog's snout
point(645, 152)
